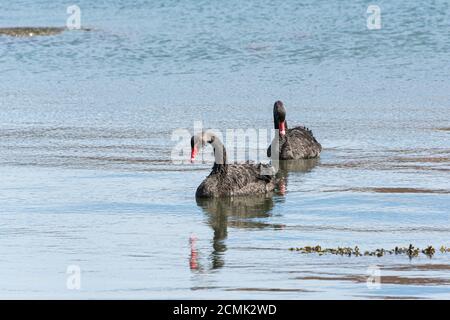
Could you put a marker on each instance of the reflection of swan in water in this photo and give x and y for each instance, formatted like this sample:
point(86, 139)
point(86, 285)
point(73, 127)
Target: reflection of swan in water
point(291, 166)
point(305, 165)
point(237, 212)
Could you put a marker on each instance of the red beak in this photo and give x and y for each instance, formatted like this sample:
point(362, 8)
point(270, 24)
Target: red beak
point(193, 154)
point(282, 128)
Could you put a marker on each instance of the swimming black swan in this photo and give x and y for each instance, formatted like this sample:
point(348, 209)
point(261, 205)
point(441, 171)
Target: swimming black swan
point(231, 179)
point(296, 143)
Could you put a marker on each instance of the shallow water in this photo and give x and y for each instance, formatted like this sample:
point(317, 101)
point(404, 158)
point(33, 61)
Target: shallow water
point(86, 120)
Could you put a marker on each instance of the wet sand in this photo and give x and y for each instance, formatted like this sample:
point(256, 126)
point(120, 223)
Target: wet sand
point(384, 279)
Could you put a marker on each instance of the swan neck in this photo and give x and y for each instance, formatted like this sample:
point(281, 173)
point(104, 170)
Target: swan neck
point(220, 154)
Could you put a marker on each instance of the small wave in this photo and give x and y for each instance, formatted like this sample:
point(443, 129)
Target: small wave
point(391, 190)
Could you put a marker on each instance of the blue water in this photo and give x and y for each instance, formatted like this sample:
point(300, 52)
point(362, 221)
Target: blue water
point(86, 119)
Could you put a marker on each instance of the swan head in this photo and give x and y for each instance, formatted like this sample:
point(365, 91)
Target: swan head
point(198, 141)
point(279, 117)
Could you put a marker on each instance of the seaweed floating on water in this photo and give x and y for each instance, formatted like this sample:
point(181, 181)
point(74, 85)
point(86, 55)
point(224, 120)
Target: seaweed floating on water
point(28, 32)
point(444, 249)
point(410, 251)
point(429, 251)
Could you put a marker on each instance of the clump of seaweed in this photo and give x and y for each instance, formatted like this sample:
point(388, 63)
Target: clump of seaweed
point(444, 249)
point(338, 251)
point(429, 251)
point(410, 251)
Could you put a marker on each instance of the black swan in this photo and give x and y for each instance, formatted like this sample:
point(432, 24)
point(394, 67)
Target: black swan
point(231, 179)
point(296, 143)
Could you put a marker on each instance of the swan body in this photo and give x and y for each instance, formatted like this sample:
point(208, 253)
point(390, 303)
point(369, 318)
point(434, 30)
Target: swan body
point(237, 180)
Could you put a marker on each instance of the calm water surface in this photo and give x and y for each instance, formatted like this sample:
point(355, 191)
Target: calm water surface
point(85, 141)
